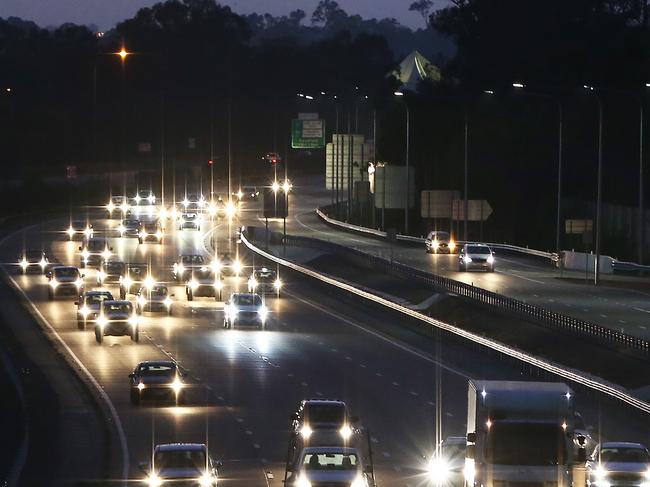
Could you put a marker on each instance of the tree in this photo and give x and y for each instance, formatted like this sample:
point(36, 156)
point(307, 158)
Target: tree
point(327, 12)
point(423, 7)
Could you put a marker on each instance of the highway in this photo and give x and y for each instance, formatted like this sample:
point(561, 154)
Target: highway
point(245, 383)
point(620, 303)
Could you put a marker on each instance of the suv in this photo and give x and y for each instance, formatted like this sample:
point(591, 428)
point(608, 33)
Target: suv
point(129, 228)
point(440, 243)
point(476, 256)
point(323, 420)
point(264, 281)
point(80, 229)
point(116, 318)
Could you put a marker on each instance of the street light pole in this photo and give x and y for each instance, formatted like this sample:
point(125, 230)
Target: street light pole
point(466, 201)
point(599, 192)
point(408, 155)
point(641, 240)
point(558, 222)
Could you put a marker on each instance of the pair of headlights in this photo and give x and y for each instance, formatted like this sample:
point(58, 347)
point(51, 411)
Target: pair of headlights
point(205, 480)
point(78, 283)
point(344, 431)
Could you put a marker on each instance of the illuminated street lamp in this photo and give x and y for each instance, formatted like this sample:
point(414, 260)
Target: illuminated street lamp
point(123, 53)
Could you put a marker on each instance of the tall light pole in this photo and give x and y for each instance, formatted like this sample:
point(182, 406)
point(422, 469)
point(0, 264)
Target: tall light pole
point(123, 53)
point(466, 179)
point(558, 218)
point(408, 149)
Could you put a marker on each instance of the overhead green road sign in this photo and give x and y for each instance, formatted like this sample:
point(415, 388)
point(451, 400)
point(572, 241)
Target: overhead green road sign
point(308, 134)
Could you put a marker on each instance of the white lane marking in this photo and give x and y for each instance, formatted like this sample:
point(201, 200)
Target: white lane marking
point(376, 334)
point(116, 418)
point(642, 310)
point(520, 277)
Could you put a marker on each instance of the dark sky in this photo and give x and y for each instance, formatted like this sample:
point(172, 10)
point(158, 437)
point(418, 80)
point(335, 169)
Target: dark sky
point(105, 13)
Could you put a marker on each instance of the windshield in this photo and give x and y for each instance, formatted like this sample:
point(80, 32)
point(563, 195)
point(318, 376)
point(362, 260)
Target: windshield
point(330, 461)
point(66, 272)
point(624, 455)
point(96, 299)
point(326, 413)
point(151, 226)
point(194, 459)
point(79, 225)
point(157, 370)
point(249, 189)
point(192, 259)
point(440, 235)
point(115, 267)
point(130, 223)
point(526, 444)
point(265, 276)
point(96, 245)
point(118, 307)
point(159, 291)
point(117, 200)
point(136, 271)
point(33, 255)
point(247, 300)
point(476, 249)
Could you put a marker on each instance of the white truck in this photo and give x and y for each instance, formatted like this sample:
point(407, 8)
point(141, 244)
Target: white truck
point(521, 434)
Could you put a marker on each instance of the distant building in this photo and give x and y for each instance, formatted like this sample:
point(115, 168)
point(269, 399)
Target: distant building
point(415, 68)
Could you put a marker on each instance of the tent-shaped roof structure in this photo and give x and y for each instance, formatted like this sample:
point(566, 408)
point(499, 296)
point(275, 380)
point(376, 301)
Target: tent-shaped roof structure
point(414, 68)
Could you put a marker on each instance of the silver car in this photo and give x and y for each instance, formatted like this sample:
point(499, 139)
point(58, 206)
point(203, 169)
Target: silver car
point(618, 464)
point(244, 309)
point(476, 256)
point(329, 466)
point(116, 318)
point(182, 464)
point(64, 280)
point(440, 243)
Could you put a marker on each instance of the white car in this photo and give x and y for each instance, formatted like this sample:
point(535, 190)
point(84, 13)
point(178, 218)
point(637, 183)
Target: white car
point(155, 298)
point(182, 464)
point(476, 256)
point(440, 243)
point(342, 466)
point(116, 318)
point(618, 464)
point(244, 309)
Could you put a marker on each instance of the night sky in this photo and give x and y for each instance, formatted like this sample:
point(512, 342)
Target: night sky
point(105, 13)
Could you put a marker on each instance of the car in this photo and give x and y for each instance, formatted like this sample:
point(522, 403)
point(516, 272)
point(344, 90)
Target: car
point(150, 230)
point(189, 220)
point(117, 207)
point(110, 271)
point(116, 318)
point(325, 421)
point(94, 251)
point(65, 279)
point(185, 263)
point(193, 201)
point(329, 466)
point(476, 256)
point(155, 298)
point(145, 196)
point(129, 228)
point(182, 464)
point(446, 465)
point(136, 276)
point(245, 309)
point(156, 379)
point(248, 193)
point(79, 230)
point(32, 260)
point(618, 464)
point(229, 266)
point(264, 281)
point(88, 306)
point(203, 281)
point(438, 242)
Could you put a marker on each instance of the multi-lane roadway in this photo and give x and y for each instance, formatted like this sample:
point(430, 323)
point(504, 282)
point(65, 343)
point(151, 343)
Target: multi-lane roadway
point(245, 383)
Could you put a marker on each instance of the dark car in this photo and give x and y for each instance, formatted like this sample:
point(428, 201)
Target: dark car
point(264, 281)
point(129, 228)
point(94, 251)
point(185, 264)
point(155, 380)
point(323, 420)
point(150, 231)
point(64, 280)
point(203, 281)
point(133, 279)
point(79, 230)
point(116, 318)
point(110, 271)
point(88, 306)
point(32, 260)
point(155, 298)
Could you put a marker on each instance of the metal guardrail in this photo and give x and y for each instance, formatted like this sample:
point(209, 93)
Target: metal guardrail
point(618, 266)
point(543, 316)
point(578, 377)
point(551, 256)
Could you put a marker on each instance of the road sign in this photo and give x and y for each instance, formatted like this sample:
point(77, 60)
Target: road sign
point(477, 210)
point(308, 134)
point(577, 227)
point(437, 204)
point(275, 204)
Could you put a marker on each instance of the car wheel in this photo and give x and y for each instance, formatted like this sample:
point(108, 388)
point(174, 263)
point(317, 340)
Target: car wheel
point(190, 295)
point(135, 398)
point(82, 265)
point(139, 240)
point(169, 311)
point(81, 324)
point(99, 336)
point(50, 295)
point(135, 335)
point(122, 293)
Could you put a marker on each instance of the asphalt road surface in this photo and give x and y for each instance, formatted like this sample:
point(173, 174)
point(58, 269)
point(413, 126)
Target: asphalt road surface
point(245, 383)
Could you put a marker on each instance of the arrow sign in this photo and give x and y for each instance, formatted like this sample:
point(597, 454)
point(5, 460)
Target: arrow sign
point(478, 210)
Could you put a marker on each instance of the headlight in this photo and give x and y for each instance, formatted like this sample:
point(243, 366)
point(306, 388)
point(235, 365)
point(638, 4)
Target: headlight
point(237, 266)
point(277, 284)
point(106, 254)
point(180, 268)
point(186, 202)
point(54, 283)
point(88, 231)
point(85, 254)
point(216, 265)
point(194, 284)
point(177, 385)
point(490, 259)
point(24, 264)
point(168, 302)
point(70, 231)
point(142, 300)
point(121, 229)
point(149, 282)
point(101, 275)
point(252, 283)
point(438, 470)
point(359, 482)
point(345, 432)
point(600, 473)
point(302, 481)
point(467, 259)
point(43, 263)
point(110, 207)
point(154, 481)
point(159, 234)
point(452, 245)
point(469, 471)
point(124, 207)
point(218, 285)
point(140, 386)
point(435, 244)
point(102, 321)
point(163, 213)
point(133, 321)
point(128, 282)
point(212, 209)
point(84, 311)
point(151, 198)
point(263, 312)
point(306, 431)
point(143, 234)
point(231, 210)
point(79, 282)
point(206, 480)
